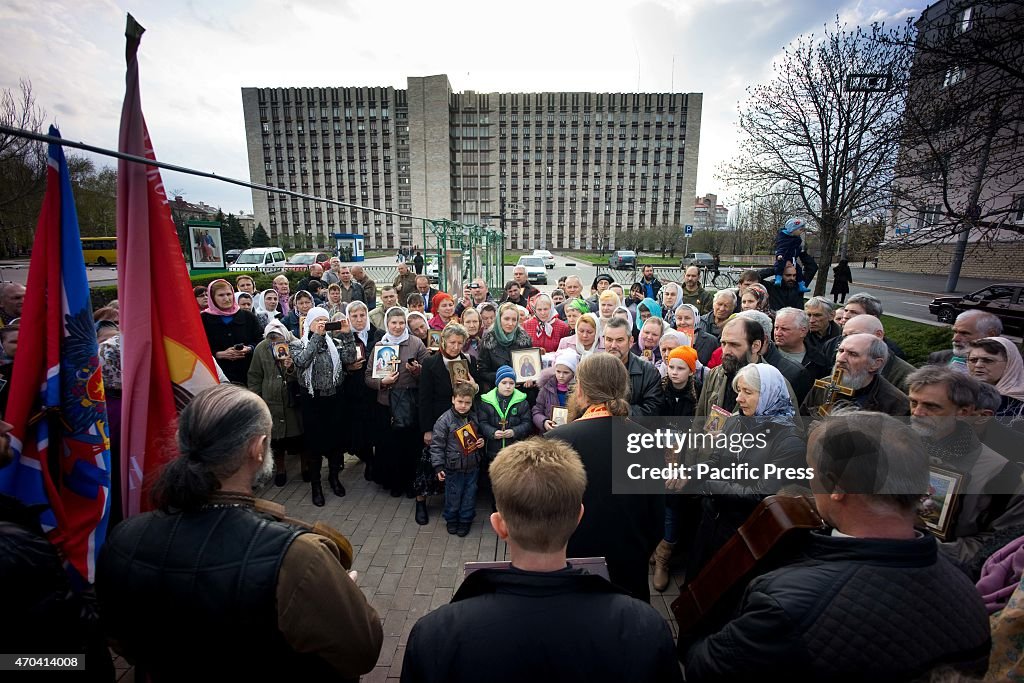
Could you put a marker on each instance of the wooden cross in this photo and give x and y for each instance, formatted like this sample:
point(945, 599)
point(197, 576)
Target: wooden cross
point(833, 388)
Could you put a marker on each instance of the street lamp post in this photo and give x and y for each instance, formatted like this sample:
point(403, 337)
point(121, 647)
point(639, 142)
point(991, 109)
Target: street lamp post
point(862, 83)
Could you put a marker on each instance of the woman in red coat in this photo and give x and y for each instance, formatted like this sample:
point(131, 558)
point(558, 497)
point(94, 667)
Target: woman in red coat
point(545, 329)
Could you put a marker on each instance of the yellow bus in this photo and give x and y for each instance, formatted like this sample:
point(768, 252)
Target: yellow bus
point(100, 250)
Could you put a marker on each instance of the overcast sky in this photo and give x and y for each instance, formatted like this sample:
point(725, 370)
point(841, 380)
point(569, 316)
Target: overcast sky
point(196, 56)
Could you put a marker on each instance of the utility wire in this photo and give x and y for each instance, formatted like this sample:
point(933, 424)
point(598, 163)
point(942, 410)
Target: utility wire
point(40, 137)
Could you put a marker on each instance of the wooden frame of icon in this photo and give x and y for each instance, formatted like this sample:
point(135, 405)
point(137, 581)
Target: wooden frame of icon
point(458, 371)
point(526, 363)
point(434, 340)
point(938, 508)
point(282, 350)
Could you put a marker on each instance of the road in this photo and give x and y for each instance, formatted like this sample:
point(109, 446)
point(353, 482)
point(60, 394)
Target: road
point(902, 294)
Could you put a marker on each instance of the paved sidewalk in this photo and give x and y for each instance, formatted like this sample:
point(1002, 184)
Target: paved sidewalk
point(915, 283)
point(405, 570)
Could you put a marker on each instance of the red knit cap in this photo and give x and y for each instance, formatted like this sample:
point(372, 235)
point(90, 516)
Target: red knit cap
point(687, 354)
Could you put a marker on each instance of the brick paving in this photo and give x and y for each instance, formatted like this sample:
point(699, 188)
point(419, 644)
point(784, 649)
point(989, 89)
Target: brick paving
point(405, 570)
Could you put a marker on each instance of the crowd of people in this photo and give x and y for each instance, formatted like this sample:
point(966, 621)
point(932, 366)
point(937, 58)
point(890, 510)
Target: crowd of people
point(450, 413)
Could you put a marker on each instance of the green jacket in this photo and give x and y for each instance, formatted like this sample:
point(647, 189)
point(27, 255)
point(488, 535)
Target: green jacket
point(516, 416)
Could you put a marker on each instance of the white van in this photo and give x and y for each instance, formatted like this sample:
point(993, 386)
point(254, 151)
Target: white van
point(260, 259)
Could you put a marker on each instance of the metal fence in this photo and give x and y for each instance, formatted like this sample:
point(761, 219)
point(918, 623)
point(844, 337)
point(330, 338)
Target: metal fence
point(727, 277)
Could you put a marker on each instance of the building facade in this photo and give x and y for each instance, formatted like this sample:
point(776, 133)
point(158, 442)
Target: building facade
point(708, 214)
point(961, 166)
point(552, 170)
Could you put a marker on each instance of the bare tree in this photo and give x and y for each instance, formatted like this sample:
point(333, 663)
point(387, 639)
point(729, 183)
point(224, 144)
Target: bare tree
point(806, 137)
point(961, 170)
point(22, 167)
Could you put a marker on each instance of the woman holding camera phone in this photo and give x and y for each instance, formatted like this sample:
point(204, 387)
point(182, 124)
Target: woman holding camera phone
point(319, 359)
point(231, 332)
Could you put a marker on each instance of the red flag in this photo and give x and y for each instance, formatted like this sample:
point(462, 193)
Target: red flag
point(165, 358)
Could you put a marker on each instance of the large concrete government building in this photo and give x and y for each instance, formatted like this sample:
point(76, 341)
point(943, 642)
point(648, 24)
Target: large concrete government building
point(560, 170)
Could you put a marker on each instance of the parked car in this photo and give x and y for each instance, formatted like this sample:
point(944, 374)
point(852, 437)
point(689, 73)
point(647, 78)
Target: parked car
point(697, 258)
point(259, 259)
point(536, 273)
point(549, 258)
point(232, 254)
point(1005, 301)
point(432, 269)
point(622, 260)
point(304, 259)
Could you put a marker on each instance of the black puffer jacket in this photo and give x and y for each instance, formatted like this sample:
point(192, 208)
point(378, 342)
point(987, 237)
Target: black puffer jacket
point(849, 609)
point(561, 626)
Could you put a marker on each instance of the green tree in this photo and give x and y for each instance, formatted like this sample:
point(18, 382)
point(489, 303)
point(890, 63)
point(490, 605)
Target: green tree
point(260, 238)
point(232, 234)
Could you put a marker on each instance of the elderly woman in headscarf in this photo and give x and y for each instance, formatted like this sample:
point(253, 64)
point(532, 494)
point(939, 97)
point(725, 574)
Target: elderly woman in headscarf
point(545, 328)
point(266, 306)
point(499, 342)
point(231, 332)
point(766, 418)
point(755, 298)
point(573, 310)
point(273, 378)
point(400, 440)
point(472, 321)
point(319, 359)
point(359, 401)
point(997, 361)
point(586, 340)
point(671, 295)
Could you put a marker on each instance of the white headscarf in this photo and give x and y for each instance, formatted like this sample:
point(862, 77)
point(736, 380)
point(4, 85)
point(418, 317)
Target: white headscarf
point(277, 327)
point(547, 326)
point(388, 338)
point(595, 322)
point(669, 313)
point(629, 317)
point(312, 316)
point(363, 334)
point(259, 305)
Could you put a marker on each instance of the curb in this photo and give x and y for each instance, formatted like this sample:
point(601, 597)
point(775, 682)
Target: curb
point(914, 292)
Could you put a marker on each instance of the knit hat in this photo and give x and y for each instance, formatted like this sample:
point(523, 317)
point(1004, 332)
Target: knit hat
point(504, 372)
point(569, 358)
point(687, 354)
point(794, 224)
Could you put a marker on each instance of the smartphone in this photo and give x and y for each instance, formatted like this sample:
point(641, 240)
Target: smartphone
point(332, 327)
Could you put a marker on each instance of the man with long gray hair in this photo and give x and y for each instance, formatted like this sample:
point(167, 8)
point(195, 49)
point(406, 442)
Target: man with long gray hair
point(218, 582)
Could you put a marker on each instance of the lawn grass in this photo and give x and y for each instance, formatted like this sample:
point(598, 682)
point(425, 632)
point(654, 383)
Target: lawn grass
point(917, 339)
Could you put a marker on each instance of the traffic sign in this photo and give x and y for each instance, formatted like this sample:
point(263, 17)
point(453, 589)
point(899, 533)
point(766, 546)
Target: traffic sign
point(687, 229)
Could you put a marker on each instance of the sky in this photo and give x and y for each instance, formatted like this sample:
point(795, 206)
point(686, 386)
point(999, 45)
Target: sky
point(196, 56)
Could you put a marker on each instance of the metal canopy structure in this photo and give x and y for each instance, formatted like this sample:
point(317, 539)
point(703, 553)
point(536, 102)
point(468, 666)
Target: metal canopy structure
point(463, 252)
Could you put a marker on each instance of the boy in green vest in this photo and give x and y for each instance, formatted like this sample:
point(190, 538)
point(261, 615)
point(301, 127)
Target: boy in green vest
point(504, 413)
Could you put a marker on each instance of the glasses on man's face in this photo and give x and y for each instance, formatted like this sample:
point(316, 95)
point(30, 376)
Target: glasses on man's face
point(982, 360)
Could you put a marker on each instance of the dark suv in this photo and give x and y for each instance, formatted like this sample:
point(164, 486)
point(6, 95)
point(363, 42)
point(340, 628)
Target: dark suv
point(1005, 301)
